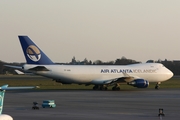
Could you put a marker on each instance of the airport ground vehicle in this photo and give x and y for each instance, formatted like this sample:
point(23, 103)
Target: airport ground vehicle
point(48, 103)
point(35, 106)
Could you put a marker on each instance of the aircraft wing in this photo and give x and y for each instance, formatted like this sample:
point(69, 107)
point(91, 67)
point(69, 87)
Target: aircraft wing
point(38, 68)
point(124, 78)
point(127, 78)
point(5, 87)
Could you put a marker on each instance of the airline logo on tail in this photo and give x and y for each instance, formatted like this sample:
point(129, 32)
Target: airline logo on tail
point(33, 53)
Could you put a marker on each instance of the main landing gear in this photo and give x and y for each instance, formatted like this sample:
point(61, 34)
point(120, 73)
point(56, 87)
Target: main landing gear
point(116, 87)
point(104, 87)
point(157, 85)
point(100, 87)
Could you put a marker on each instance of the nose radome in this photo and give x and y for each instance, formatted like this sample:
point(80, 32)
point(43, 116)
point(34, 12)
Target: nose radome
point(170, 74)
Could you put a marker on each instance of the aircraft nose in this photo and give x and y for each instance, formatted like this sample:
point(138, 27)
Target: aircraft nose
point(170, 74)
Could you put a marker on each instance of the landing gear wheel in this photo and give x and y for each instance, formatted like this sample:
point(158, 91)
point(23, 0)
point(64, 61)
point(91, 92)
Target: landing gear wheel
point(103, 88)
point(156, 87)
point(96, 87)
point(116, 88)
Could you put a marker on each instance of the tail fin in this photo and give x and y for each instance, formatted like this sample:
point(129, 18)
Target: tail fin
point(2, 92)
point(32, 53)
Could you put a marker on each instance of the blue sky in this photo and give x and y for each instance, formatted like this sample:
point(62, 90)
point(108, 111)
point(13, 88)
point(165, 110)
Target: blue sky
point(92, 29)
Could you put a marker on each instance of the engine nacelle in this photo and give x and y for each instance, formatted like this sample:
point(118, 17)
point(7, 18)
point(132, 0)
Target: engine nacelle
point(139, 83)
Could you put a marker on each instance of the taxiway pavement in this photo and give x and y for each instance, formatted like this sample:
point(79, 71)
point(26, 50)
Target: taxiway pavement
point(140, 104)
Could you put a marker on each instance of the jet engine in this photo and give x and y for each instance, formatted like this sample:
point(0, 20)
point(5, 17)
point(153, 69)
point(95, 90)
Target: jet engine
point(139, 83)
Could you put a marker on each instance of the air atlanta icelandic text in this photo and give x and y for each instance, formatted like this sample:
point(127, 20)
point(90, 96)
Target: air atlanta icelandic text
point(128, 70)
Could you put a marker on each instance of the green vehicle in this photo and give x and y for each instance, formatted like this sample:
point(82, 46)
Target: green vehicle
point(49, 104)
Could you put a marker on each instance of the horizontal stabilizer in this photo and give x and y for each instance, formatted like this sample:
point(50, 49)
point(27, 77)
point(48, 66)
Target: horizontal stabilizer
point(19, 72)
point(12, 66)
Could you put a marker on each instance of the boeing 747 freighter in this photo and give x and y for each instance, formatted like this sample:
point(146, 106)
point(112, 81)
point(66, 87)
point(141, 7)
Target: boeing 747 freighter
point(101, 76)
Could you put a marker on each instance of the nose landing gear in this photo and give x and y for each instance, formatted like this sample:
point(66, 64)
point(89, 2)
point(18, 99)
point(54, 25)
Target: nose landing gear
point(157, 85)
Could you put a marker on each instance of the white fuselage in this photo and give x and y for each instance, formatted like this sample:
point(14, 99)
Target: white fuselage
point(5, 117)
point(86, 74)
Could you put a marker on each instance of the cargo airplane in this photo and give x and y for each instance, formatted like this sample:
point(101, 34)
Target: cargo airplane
point(101, 76)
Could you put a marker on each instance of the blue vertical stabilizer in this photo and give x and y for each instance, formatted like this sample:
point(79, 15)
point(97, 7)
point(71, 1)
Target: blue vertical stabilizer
point(32, 53)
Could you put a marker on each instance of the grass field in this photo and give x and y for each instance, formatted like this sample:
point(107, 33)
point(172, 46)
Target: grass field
point(45, 83)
